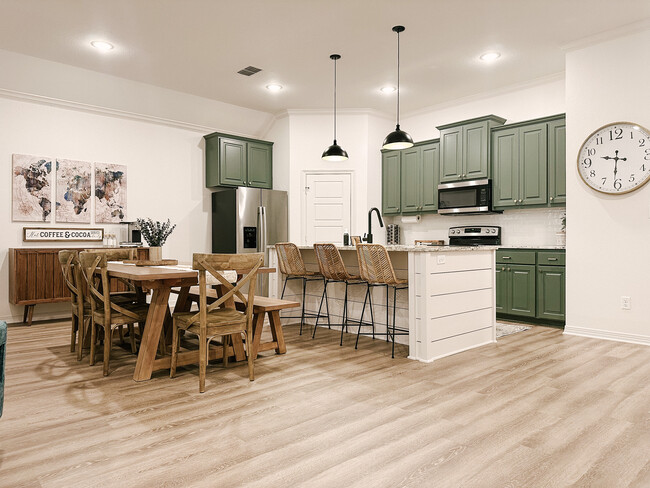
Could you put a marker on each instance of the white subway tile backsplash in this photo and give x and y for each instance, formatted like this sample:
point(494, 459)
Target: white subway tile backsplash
point(520, 227)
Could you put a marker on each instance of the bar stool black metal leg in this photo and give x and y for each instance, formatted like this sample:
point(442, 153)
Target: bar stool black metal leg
point(344, 322)
point(284, 288)
point(387, 323)
point(372, 314)
point(394, 307)
point(327, 306)
point(302, 314)
point(363, 310)
point(323, 297)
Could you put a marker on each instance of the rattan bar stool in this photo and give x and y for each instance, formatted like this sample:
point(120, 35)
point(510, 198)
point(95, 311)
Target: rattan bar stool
point(292, 267)
point(376, 268)
point(333, 270)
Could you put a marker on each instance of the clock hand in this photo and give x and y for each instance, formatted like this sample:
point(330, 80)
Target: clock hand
point(606, 157)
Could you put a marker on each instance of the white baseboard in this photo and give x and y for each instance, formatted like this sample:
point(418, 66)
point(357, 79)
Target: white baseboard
point(607, 335)
point(18, 319)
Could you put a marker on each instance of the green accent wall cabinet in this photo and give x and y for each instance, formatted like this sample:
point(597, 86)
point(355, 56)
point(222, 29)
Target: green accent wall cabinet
point(419, 188)
point(465, 148)
point(529, 163)
point(391, 182)
point(238, 161)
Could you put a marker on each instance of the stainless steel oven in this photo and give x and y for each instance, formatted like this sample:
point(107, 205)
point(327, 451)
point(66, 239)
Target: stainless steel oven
point(465, 197)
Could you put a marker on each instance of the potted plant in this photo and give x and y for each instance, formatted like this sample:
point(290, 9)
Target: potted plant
point(561, 236)
point(155, 233)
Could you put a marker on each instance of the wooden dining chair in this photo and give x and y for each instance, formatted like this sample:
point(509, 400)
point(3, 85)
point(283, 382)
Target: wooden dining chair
point(220, 318)
point(80, 308)
point(107, 311)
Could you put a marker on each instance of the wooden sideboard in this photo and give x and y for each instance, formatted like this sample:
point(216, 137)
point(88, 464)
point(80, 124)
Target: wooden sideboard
point(35, 277)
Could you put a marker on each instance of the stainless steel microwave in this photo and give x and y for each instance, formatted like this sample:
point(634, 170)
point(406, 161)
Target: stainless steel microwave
point(465, 197)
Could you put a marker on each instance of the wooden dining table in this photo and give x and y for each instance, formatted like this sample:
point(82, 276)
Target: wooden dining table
point(160, 280)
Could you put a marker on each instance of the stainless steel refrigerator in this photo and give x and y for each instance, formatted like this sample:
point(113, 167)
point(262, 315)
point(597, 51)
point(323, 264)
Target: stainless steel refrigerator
point(247, 220)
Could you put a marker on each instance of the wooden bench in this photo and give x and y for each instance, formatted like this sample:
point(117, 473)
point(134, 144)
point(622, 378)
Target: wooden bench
point(261, 306)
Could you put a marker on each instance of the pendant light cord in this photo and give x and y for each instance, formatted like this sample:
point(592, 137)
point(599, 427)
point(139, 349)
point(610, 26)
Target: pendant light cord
point(335, 101)
point(398, 79)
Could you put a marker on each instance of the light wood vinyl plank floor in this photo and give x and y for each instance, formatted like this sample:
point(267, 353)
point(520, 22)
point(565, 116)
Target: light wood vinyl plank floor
point(537, 409)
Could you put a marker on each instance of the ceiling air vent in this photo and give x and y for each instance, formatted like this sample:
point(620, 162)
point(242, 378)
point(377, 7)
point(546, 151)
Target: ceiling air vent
point(249, 70)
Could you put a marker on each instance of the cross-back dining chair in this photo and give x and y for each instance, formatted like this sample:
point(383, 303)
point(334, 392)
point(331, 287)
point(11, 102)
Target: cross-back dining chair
point(220, 318)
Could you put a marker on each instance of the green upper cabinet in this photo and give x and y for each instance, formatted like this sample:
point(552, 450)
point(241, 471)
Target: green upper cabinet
point(419, 190)
point(465, 148)
point(557, 162)
point(390, 182)
point(528, 163)
point(237, 161)
point(260, 169)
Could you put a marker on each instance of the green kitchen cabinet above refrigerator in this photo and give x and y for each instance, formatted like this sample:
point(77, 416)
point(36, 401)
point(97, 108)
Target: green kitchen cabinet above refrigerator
point(232, 161)
point(465, 148)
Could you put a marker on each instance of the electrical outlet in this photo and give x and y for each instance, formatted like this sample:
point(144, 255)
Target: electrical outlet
point(442, 259)
point(626, 303)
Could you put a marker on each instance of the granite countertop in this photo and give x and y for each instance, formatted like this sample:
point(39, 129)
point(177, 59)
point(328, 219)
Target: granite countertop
point(402, 248)
point(413, 248)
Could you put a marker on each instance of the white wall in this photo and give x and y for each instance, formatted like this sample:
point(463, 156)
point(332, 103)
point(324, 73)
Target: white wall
point(156, 133)
point(310, 133)
point(530, 227)
point(607, 235)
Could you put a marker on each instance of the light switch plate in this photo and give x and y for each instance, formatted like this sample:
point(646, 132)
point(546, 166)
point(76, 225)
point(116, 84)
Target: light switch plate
point(442, 259)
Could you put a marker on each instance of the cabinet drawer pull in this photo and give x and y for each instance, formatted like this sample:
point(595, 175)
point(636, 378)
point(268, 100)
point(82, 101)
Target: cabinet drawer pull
point(506, 257)
point(552, 259)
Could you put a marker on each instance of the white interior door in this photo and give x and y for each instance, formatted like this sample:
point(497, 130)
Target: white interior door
point(328, 210)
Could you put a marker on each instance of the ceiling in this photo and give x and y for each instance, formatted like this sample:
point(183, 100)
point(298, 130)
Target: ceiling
point(197, 46)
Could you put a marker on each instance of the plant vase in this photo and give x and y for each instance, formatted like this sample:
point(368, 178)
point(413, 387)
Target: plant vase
point(155, 253)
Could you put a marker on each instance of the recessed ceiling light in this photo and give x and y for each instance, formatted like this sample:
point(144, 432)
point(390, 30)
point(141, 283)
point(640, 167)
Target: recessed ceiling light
point(274, 87)
point(490, 56)
point(387, 89)
point(102, 45)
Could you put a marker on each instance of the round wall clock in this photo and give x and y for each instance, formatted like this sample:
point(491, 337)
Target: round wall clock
point(615, 159)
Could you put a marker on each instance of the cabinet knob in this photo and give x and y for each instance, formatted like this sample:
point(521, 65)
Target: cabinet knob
point(551, 198)
point(515, 200)
point(539, 269)
point(520, 200)
point(503, 269)
point(463, 175)
point(508, 269)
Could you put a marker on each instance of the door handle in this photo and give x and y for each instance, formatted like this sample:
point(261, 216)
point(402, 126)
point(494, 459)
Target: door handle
point(261, 229)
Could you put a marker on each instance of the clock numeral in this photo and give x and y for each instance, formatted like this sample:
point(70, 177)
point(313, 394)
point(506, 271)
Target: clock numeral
point(617, 184)
point(599, 140)
point(631, 178)
point(591, 152)
point(642, 168)
point(641, 142)
point(587, 163)
point(592, 173)
point(604, 180)
point(647, 154)
point(615, 134)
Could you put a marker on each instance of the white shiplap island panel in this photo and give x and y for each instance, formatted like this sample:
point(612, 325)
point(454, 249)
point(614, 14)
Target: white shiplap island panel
point(449, 306)
point(451, 301)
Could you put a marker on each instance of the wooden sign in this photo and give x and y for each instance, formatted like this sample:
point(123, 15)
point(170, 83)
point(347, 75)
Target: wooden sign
point(40, 234)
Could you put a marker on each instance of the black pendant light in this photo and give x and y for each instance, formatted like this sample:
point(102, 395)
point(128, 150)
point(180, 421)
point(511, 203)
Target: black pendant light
point(335, 152)
point(398, 139)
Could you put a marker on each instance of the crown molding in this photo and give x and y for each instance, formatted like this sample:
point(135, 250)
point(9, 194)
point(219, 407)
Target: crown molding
point(488, 94)
point(608, 35)
point(111, 112)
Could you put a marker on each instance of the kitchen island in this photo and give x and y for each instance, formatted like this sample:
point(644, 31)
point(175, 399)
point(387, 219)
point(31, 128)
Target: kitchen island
point(448, 308)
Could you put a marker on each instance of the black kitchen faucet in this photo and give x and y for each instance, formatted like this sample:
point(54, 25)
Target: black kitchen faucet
point(368, 237)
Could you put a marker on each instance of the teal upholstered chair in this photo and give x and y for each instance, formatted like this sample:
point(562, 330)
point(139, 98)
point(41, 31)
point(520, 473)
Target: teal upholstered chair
point(3, 350)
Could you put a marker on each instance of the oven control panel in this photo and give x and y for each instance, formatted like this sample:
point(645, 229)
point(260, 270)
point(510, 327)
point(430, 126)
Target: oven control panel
point(475, 235)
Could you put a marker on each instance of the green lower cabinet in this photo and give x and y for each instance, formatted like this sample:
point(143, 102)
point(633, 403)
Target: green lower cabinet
point(551, 292)
point(531, 284)
point(501, 289)
point(521, 290)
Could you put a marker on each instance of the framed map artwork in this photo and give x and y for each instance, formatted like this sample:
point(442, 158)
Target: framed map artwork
point(110, 193)
point(73, 191)
point(32, 188)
